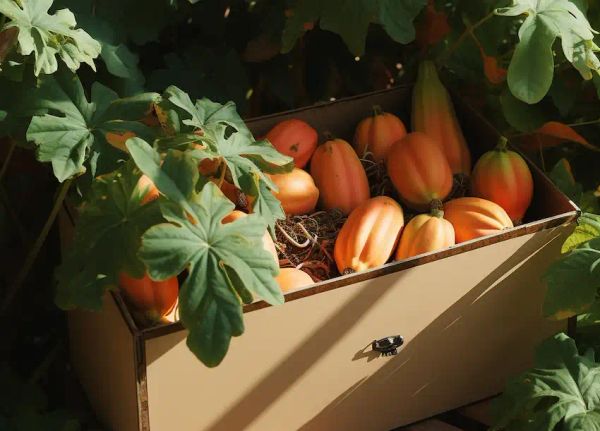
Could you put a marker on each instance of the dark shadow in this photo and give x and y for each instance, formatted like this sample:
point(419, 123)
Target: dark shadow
point(366, 352)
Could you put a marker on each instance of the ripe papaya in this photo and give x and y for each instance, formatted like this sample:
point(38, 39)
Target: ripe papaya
point(292, 278)
point(474, 217)
point(297, 192)
point(502, 176)
point(294, 138)
point(419, 171)
point(425, 233)
point(154, 299)
point(339, 176)
point(376, 134)
point(369, 236)
point(433, 114)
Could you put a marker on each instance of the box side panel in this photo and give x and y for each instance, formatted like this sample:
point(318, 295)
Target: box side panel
point(470, 322)
point(103, 355)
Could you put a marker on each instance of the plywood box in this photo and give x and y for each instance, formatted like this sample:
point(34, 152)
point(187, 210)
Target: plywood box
point(470, 317)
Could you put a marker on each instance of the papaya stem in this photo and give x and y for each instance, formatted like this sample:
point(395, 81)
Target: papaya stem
point(377, 110)
point(436, 208)
point(328, 135)
point(35, 249)
point(502, 143)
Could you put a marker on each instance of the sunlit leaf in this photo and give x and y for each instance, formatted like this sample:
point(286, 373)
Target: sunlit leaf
point(47, 36)
point(74, 130)
point(531, 69)
point(588, 228)
point(573, 282)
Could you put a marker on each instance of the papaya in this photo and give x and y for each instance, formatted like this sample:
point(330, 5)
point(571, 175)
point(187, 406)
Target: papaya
point(419, 171)
point(474, 217)
point(294, 138)
point(153, 299)
point(502, 176)
point(433, 114)
point(376, 134)
point(339, 176)
point(292, 278)
point(369, 236)
point(425, 233)
point(297, 192)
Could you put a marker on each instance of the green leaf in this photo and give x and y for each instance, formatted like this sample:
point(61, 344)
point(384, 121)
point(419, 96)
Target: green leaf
point(107, 238)
point(247, 162)
point(119, 59)
point(532, 67)
point(521, 116)
point(397, 16)
point(562, 386)
point(573, 282)
point(588, 228)
point(48, 35)
point(74, 130)
point(225, 262)
point(351, 18)
point(225, 137)
point(203, 115)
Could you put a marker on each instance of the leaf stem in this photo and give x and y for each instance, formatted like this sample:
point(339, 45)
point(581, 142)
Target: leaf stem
point(9, 154)
point(468, 30)
point(585, 123)
point(35, 249)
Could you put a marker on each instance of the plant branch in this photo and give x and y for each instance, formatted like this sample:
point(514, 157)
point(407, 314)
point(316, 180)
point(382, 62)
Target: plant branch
point(35, 249)
point(468, 30)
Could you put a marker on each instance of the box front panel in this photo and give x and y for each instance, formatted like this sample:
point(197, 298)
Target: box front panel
point(470, 321)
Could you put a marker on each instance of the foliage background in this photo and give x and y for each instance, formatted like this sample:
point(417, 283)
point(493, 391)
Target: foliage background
point(231, 50)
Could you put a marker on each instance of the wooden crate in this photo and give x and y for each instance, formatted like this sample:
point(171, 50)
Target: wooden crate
point(470, 316)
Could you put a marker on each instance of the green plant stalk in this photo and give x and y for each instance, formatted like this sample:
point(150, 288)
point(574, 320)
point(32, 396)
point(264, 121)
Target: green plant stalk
point(11, 150)
point(468, 31)
point(35, 249)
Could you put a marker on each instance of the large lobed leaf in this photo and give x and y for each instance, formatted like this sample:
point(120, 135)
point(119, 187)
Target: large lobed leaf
point(562, 388)
point(47, 36)
point(107, 239)
point(73, 130)
point(573, 282)
point(351, 18)
point(226, 138)
point(225, 263)
point(531, 69)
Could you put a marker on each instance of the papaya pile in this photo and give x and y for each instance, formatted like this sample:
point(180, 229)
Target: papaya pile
point(427, 212)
